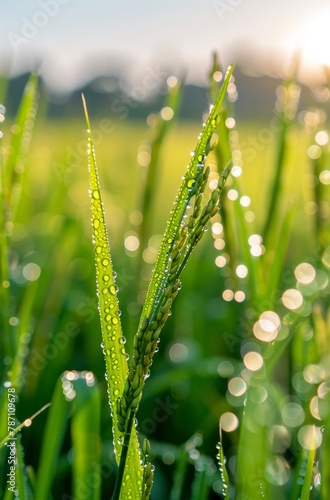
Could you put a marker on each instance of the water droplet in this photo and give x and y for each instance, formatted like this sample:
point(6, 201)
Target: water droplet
point(105, 262)
point(115, 320)
point(96, 194)
point(106, 277)
point(113, 290)
point(96, 223)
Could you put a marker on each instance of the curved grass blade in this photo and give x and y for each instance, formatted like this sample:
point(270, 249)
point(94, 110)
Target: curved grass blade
point(73, 392)
point(112, 336)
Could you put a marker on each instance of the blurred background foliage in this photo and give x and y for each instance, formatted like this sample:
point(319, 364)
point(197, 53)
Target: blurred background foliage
point(51, 307)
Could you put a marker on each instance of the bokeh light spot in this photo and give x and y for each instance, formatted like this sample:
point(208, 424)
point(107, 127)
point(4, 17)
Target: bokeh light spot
point(229, 422)
point(253, 361)
point(305, 273)
point(31, 271)
point(310, 437)
point(292, 299)
point(237, 386)
point(178, 353)
point(267, 327)
point(293, 415)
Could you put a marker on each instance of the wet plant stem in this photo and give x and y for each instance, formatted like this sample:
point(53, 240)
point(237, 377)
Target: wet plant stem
point(123, 456)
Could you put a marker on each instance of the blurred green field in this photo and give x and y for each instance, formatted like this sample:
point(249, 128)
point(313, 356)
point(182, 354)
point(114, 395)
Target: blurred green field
point(201, 343)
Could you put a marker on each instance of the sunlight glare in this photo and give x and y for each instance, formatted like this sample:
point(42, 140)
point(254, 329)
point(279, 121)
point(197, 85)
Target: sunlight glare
point(313, 40)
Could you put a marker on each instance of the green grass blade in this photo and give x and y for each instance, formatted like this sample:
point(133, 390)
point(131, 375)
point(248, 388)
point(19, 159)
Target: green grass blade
point(22, 480)
point(52, 441)
point(325, 460)
point(159, 133)
point(112, 336)
point(305, 492)
point(159, 278)
point(275, 270)
point(243, 252)
point(7, 342)
point(200, 488)
point(222, 468)
point(25, 313)
point(288, 103)
point(21, 139)
point(19, 427)
point(179, 475)
point(85, 431)
point(77, 393)
point(178, 241)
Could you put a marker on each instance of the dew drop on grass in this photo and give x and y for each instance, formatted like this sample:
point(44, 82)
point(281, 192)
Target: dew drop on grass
point(96, 194)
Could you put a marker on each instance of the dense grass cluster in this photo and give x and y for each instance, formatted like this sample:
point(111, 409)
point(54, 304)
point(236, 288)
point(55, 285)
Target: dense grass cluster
point(236, 402)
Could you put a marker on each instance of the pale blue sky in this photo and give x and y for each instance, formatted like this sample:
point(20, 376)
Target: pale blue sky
point(73, 38)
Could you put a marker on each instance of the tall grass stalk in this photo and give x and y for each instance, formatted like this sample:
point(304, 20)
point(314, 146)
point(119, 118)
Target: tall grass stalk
point(179, 240)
